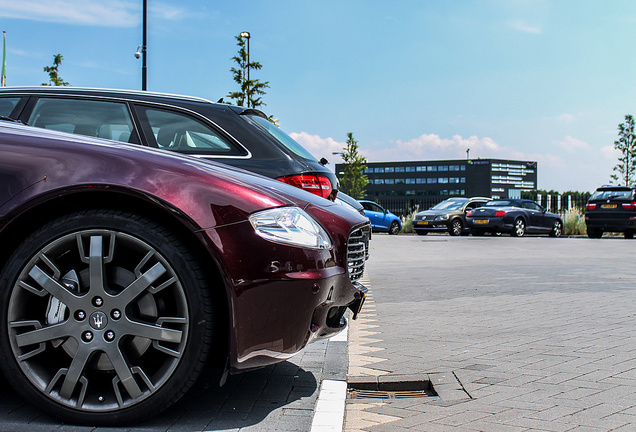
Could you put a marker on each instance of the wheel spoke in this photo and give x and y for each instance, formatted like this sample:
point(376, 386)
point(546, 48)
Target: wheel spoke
point(96, 265)
point(124, 373)
point(52, 286)
point(141, 284)
point(154, 332)
point(74, 372)
point(43, 334)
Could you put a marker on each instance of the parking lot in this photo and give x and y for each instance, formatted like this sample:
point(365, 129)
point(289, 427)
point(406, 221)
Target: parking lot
point(538, 333)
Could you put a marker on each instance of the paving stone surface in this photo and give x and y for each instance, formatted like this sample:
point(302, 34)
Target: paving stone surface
point(540, 332)
point(277, 398)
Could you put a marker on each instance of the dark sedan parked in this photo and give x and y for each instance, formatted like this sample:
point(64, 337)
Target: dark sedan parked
point(613, 209)
point(233, 135)
point(449, 215)
point(122, 269)
point(515, 216)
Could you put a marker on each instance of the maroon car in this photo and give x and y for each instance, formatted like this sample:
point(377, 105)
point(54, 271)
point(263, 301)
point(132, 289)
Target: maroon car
point(122, 269)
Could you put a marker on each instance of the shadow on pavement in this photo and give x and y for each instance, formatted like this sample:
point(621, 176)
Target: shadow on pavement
point(259, 397)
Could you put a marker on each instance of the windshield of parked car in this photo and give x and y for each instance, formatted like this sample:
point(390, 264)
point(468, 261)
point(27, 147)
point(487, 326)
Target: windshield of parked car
point(612, 193)
point(281, 137)
point(499, 203)
point(449, 205)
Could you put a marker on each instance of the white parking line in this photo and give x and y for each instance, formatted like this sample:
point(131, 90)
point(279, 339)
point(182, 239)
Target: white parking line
point(330, 407)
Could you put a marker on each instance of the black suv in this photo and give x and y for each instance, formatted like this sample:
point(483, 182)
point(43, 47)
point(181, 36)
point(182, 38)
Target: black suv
point(449, 215)
point(613, 209)
point(233, 135)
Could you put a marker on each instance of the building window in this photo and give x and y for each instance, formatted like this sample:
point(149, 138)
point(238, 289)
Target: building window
point(379, 170)
point(410, 181)
point(388, 169)
point(389, 181)
point(443, 168)
point(442, 180)
point(399, 169)
point(410, 169)
point(431, 180)
point(379, 181)
point(431, 168)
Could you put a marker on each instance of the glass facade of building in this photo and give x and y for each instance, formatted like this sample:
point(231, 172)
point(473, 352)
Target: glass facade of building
point(442, 179)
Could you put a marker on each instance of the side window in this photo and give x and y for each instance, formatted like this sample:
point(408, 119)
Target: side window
point(7, 105)
point(101, 119)
point(180, 132)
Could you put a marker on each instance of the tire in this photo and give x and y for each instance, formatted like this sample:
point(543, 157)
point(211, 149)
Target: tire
point(629, 235)
point(476, 232)
point(108, 318)
point(594, 233)
point(518, 228)
point(557, 229)
point(394, 229)
point(456, 227)
point(419, 232)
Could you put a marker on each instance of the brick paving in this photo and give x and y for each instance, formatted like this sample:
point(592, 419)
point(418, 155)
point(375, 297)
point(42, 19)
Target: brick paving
point(539, 332)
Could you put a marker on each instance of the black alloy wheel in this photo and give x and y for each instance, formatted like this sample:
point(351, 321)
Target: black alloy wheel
point(557, 229)
point(456, 227)
point(107, 318)
point(394, 229)
point(519, 228)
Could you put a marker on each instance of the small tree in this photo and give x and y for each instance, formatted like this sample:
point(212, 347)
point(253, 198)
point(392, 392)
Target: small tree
point(626, 144)
point(252, 90)
point(54, 78)
point(354, 180)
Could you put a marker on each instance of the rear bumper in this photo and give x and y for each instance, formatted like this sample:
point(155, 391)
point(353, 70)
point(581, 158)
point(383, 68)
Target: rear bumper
point(611, 224)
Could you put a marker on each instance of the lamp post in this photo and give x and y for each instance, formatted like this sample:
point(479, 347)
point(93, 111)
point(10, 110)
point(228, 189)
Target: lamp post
point(141, 49)
point(246, 35)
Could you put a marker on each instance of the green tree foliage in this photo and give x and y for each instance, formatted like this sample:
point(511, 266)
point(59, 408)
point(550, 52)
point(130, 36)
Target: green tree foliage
point(251, 90)
point(54, 77)
point(354, 180)
point(626, 144)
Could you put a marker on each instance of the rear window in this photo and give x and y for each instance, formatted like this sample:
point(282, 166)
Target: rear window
point(603, 194)
point(498, 203)
point(280, 136)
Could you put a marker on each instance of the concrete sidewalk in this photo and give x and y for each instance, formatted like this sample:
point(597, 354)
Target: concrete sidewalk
point(540, 334)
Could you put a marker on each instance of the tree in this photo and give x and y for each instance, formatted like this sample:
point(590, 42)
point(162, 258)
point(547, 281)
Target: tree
point(252, 90)
point(626, 144)
point(354, 179)
point(54, 78)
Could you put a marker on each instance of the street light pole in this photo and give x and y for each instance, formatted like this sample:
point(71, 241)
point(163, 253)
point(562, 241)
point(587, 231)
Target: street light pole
point(246, 35)
point(144, 60)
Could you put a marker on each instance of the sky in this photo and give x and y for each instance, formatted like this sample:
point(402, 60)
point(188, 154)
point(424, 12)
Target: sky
point(541, 80)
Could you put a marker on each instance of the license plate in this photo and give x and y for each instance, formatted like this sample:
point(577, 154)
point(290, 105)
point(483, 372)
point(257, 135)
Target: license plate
point(422, 222)
point(608, 206)
point(481, 221)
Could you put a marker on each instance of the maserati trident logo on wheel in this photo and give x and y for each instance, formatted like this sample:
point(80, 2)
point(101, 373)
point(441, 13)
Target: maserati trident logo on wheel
point(98, 320)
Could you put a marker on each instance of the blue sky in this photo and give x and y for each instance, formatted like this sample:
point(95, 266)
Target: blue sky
point(542, 80)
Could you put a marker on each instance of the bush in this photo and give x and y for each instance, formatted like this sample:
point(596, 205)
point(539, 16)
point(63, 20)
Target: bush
point(574, 223)
point(407, 223)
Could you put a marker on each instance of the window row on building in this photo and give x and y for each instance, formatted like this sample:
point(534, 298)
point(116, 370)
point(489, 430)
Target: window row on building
point(429, 180)
point(419, 168)
point(420, 192)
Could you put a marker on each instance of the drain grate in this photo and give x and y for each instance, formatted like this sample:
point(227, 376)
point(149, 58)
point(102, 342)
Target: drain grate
point(358, 389)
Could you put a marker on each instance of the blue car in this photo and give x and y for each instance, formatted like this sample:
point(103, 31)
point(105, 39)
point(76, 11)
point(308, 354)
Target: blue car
point(381, 219)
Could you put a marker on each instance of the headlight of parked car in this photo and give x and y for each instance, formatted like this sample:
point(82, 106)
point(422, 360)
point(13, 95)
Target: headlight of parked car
point(290, 226)
point(442, 217)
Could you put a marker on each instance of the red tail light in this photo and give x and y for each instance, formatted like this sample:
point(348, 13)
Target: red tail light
point(590, 206)
point(500, 213)
point(317, 185)
point(469, 214)
point(630, 206)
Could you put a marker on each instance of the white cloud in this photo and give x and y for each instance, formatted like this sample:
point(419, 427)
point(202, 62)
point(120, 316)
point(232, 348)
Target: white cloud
point(320, 147)
point(573, 145)
point(525, 27)
point(566, 118)
point(580, 167)
point(114, 13)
